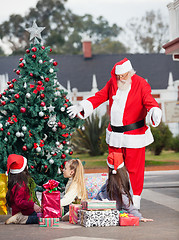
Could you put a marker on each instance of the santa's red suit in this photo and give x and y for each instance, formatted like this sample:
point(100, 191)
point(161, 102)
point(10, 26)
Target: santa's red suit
point(126, 107)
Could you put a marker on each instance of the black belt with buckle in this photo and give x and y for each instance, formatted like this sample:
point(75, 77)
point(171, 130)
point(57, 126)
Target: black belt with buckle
point(129, 127)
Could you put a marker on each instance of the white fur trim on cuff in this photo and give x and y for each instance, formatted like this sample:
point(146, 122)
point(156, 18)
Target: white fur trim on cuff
point(87, 107)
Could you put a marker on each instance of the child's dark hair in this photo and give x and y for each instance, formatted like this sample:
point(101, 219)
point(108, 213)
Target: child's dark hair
point(13, 179)
point(118, 184)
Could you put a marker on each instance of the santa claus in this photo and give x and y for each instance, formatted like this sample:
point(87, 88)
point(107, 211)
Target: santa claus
point(130, 101)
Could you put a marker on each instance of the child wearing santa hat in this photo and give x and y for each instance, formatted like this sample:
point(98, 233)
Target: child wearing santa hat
point(118, 186)
point(18, 197)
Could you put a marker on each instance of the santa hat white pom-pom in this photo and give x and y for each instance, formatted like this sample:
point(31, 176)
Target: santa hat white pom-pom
point(114, 171)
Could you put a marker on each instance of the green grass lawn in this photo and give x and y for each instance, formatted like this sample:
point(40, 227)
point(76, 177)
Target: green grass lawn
point(165, 158)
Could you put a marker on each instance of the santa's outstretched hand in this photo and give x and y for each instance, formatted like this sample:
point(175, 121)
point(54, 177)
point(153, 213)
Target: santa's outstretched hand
point(155, 116)
point(74, 110)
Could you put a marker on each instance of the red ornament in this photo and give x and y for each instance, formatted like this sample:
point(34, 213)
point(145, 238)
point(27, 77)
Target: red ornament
point(3, 103)
point(59, 124)
point(32, 167)
point(24, 148)
point(0, 95)
point(21, 59)
point(23, 110)
point(4, 93)
point(63, 156)
point(11, 86)
point(43, 47)
point(63, 126)
point(42, 95)
point(55, 154)
point(34, 49)
point(42, 104)
point(31, 74)
point(14, 80)
point(17, 96)
point(71, 152)
point(12, 101)
point(47, 79)
point(8, 133)
point(64, 142)
point(8, 83)
point(39, 83)
point(18, 72)
point(27, 51)
point(21, 65)
point(65, 105)
point(50, 50)
point(55, 63)
point(67, 100)
point(45, 166)
point(46, 117)
point(1, 129)
point(34, 56)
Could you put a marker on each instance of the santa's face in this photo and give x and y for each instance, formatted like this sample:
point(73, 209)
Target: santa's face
point(123, 81)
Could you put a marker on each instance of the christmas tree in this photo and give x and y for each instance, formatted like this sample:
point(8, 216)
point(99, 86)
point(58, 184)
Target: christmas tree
point(33, 118)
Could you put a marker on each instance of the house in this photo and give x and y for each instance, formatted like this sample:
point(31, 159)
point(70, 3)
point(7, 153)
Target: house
point(83, 75)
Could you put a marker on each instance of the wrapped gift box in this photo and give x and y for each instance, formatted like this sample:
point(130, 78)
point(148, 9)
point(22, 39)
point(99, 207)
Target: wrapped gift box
point(51, 200)
point(3, 191)
point(49, 222)
point(94, 182)
point(97, 218)
point(126, 219)
point(98, 205)
point(74, 213)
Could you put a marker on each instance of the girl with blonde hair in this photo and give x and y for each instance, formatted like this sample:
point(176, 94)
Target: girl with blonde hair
point(75, 188)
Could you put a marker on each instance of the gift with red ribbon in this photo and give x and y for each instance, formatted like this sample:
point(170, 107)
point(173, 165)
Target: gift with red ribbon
point(51, 200)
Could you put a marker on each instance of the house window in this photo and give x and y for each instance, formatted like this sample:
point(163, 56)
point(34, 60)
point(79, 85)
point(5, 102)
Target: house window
point(156, 95)
point(79, 98)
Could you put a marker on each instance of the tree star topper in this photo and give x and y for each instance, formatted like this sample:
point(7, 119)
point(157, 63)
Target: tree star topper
point(35, 31)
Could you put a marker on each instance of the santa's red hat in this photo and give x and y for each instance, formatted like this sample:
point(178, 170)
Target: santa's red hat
point(123, 66)
point(16, 163)
point(115, 161)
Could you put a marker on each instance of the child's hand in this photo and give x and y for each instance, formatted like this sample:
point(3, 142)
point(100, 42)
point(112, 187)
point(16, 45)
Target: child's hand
point(146, 220)
point(37, 208)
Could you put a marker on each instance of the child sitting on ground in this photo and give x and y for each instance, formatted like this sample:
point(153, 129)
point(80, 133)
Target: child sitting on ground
point(18, 197)
point(75, 187)
point(118, 187)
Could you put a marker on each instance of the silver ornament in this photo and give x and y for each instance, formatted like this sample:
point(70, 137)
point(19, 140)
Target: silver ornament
point(54, 129)
point(5, 139)
point(62, 109)
point(51, 161)
point(40, 61)
point(18, 134)
point(41, 114)
point(57, 143)
point(28, 95)
point(38, 149)
point(51, 70)
point(68, 143)
point(24, 128)
point(22, 135)
point(59, 171)
point(67, 151)
point(1, 125)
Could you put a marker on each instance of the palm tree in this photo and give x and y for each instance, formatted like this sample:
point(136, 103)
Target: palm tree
point(91, 137)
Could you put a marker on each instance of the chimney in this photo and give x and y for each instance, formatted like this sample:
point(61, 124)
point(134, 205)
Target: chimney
point(87, 52)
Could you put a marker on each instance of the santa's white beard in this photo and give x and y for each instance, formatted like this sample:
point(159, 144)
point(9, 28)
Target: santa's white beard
point(124, 84)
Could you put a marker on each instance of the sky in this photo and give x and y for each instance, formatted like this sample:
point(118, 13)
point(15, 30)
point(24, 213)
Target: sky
point(115, 11)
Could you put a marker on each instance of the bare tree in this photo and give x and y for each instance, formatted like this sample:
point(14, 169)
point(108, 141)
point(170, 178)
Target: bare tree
point(149, 32)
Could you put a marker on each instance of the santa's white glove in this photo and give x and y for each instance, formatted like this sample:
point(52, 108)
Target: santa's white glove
point(74, 110)
point(155, 115)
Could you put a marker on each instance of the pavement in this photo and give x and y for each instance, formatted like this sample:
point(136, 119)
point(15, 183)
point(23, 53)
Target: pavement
point(160, 201)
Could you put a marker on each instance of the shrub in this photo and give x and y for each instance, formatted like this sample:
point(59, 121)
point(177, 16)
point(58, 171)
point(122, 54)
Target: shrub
point(162, 139)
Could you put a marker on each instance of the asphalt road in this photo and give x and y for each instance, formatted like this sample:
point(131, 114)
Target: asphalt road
point(160, 201)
